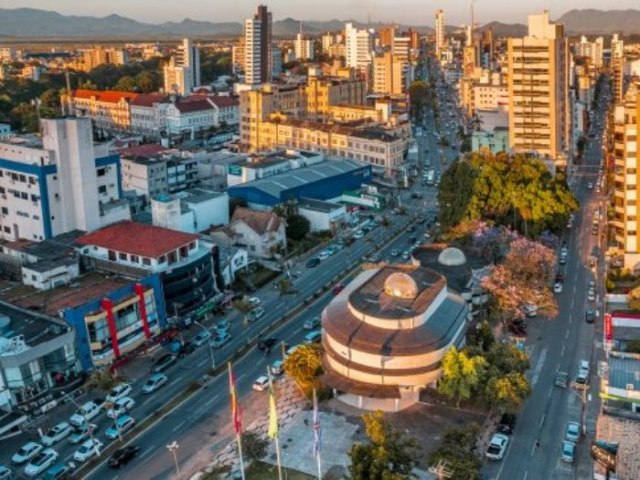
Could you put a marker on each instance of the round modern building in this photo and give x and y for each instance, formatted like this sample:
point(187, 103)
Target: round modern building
point(385, 335)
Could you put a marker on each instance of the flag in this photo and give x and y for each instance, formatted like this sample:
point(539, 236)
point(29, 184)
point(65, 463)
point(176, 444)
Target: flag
point(272, 431)
point(316, 427)
point(235, 407)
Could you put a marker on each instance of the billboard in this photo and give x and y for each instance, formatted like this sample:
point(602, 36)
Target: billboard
point(603, 456)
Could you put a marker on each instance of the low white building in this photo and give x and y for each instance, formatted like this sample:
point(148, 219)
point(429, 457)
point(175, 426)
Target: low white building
point(322, 216)
point(262, 234)
point(191, 211)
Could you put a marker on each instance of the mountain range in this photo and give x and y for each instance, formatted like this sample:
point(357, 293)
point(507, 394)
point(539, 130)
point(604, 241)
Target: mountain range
point(38, 24)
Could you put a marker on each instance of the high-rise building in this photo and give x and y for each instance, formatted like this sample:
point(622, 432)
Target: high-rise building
point(359, 45)
point(590, 50)
point(539, 110)
point(304, 48)
point(386, 35)
point(617, 67)
point(626, 119)
point(182, 73)
point(388, 74)
point(238, 56)
point(102, 55)
point(258, 47)
point(439, 32)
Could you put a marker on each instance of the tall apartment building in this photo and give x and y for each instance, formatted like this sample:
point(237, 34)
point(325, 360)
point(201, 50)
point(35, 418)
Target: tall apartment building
point(333, 45)
point(182, 73)
point(617, 67)
point(238, 56)
point(590, 50)
point(439, 32)
point(539, 114)
point(304, 48)
point(258, 59)
point(626, 119)
point(386, 35)
point(58, 183)
point(389, 74)
point(358, 45)
point(100, 55)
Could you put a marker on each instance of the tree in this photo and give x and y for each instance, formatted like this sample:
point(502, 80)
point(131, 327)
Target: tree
point(386, 457)
point(235, 203)
point(254, 446)
point(460, 375)
point(457, 452)
point(297, 227)
point(127, 84)
point(485, 338)
point(507, 392)
point(303, 365)
point(148, 81)
point(243, 307)
point(284, 287)
point(419, 95)
point(103, 380)
point(507, 358)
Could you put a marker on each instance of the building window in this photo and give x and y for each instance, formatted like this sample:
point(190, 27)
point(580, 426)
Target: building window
point(146, 261)
point(101, 172)
point(111, 255)
point(102, 189)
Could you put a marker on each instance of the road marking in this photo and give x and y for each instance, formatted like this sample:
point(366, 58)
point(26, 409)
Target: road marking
point(563, 347)
point(210, 401)
point(538, 367)
point(566, 335)
point(542, 420)
point(526, 474)
point(146, 452)
point(204, 360)
point(179, 426)
point(147, 400)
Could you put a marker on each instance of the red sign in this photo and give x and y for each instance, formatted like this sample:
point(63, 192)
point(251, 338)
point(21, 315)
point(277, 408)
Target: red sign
point(608, 327)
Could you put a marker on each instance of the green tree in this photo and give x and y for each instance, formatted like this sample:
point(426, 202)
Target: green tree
point(297, 227)
point(254, 446)
point(243, 307)
point(460, 375)
point(148, 81)
point(103, 380)
point(507, 392)
point(419, 95)
point(485, 338)
point(386, 457)
point(127, 84)
point(303, 365)
point(457, 453)
point(507, 358)
point(284, 287)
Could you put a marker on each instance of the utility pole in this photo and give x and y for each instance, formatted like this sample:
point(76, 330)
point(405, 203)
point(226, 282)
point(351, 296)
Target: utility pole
point(582, 388)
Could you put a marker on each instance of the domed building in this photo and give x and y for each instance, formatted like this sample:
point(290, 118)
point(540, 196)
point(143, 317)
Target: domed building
point(385, 335)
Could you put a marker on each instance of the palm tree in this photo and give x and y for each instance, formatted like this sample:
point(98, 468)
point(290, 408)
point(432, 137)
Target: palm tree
point(103, 380)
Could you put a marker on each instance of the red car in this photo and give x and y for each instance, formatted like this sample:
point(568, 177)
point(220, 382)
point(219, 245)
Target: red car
point(337, 289)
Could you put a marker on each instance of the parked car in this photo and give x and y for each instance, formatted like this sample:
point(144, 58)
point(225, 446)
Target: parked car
point(256, 314)
point(395, 253)
point(561, 380)
point(358, 234)
point(88, 411)
point(568, 451)
point(497, 446)
point(222, 338)
point(87, 450)
point(185, 349)
point(589, 316)
point(26, 453)
point(5, 473)
point(122, 456)
point(261, 383)
point(201, 338)
point(59, 471)
point(557, 287)
point(154, 382)
point(164, 362)
point(254, 301)
point(56, 433)
point(323, 255)
point(119, 391)
point(572, 431)
point(337, 289)
point(530, 310)
point(291, 349)
point(41, 462)
point(121, 406)
point(311, 323)
point(82, 432)
point(277, 367)
point(120, 426)
point(313, 337)
point(507, 423)
point(313, 262)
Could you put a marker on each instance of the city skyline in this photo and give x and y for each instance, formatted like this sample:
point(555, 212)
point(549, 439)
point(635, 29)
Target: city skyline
point(403, 11)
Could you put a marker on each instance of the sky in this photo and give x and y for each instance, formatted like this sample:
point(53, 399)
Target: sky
point(415, 12)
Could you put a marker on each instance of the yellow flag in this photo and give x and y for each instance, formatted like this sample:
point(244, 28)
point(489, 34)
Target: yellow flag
point(272, 432)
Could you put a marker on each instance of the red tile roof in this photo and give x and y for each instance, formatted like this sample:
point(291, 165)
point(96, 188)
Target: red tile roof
point(190, 104)
point(137, 239)
point(108, 96)
point(259, 222)
point(147, 150)
point(224, 102)
point(148, 99)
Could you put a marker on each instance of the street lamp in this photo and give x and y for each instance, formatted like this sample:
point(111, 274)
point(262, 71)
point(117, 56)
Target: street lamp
point(173, 448)
point(582, 387)
point(213, 360)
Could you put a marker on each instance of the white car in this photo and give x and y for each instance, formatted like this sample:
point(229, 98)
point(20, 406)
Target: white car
point(121, 406)
point(530, 310)
point(154, 382)
point(497, 447)
point(201, 338)
point(277, 368)
point(87, 450)
point(323, 255)
point(86, 412)
point(591, 295)
point(56, 433)
point(261, 383)
point(41, 462)
point(313, 337)
point(5, 473)
point(26, 453)
point(557, 287)
point(82, 433)
point(254, 301)
point(118, 392)
point(359, 234)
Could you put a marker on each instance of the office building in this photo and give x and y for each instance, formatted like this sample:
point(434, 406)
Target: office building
point(389, 75)
point(359, 46)
point(182, 73)
point(440, 45)
point(58, 183)
point(539, 107)
point(258, 47)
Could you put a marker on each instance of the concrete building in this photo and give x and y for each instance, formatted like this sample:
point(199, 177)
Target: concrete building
point(100, 55)
point(182, 264)
point(539, 110)
point(359, 47)
point(617, 67)
point(496, 140)
point(262, 234)
point(323, 216)
point(390, 74)
point(182, 73)
point(190, 211)
point(304, 48)
point(262, 165)
point(58, 183)
point(385, 334)
point(593, 51)
point(439, 32)
point(627, 156)
point(258, 47)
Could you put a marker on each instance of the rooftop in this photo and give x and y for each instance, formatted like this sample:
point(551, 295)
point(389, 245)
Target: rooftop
point(142, 151)
point(35, 328)
point(260, 222)
point(624, 372)
point(317, 205)
point(458, 276)
point(137, 239)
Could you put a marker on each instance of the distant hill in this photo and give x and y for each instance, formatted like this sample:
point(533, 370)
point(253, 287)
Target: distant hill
point(601, 21)
point(505, 29)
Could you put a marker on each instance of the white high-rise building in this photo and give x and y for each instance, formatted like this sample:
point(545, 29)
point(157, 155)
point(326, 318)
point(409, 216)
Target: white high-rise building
point(439, 32)
point(58, 183)
point(258, 47)
point(617, 67)
point(304, 48)
point(182, 73)
point(359, 45)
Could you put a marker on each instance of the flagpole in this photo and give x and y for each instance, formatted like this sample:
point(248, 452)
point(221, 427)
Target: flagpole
point(276, 433)
point(316, 432)
point(239, 440)
point(236, 417)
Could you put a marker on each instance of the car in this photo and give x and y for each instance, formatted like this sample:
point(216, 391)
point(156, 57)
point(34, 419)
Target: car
point(121, 406)
point(591, 296)
point(56, 433)
point(557, 287)
point(87, 450)
point(81, 433)
point(311, 323)
point(223, 324)
point(201, 338)
point(561, 380)
point(26, 453)
point(323, 255)
point(254, 301)
point(185, 349)
point(395, 253)
point(589, 316)
point(59, 471)
point(592, 284)
point(122, 456)
point(164, 362)
point(507, 423)
point(590, 186)
point(406, 255)
point(277, 367)
point(313, 262)
point(41, 462)
point(86, 412)
point(337, 289)
point(530, 310)
point(154, 382)
point(568, 451)
point(221, 339)
point(313, 337)
point(267, 343)
point(497, 446)
point(119, 391)
point(375, 258)
point(562, 260)
point(261, 383)
point(5, 473)
point(358, 234)
point(572, 431)
point(121, 425)
point(256, 314)
point(291, 349)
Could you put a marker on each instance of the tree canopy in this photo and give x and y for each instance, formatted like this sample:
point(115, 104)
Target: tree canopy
point(506, 190)
point(461, 374)
point(297, 227)
point(303, 365)
point(457, 453)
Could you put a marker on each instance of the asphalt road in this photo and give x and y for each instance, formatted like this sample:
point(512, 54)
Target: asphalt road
point(560, 345)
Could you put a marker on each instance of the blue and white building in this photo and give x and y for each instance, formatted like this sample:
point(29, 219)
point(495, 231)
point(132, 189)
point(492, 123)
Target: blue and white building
point(58, 182)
